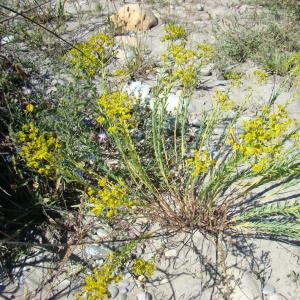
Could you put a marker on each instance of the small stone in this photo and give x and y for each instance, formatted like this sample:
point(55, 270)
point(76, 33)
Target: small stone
point(206, 70)
point(200, 7)
point(50, 90)
point(138, 89)
point(172, 103)
point(134, 17)
point(127, 276)
point(195, 122)
point(27, 91)
point(113, 290)
point(7, 39)
point(95, 251)
point(123, 290)
point(123, 294)
point(221, 82)
point(141, 278)
point(269, 289)
point(144, 296)
point(101, 233)
point(124, 283)
point(171, 253)
point(164, 281)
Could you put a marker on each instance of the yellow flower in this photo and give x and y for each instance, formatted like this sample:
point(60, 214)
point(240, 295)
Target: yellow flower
point(30, 107)
point(263, 137)
point(40, 150)
point(205, 52)
point(89, 57)
point(201, 162)
point(102, 181)
point(236, 78)
point(224, 100)
point(96, 284)
point(111, 199)
point(174, 32)
point(261, 76)
point(117, 106)
point(100, 119)
point(142, 267)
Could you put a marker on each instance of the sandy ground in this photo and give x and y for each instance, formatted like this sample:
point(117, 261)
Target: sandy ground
point(189, 266)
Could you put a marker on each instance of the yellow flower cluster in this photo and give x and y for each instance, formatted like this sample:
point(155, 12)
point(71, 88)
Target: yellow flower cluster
point(186, 65)
point(181, 54)
point(263, 136)
point(89, 57)
point(96, 285)
point(261, 76)
point(206, 52)
point(184, 62)
point(223, 100)
point(187, 76)
point(174, 32)
point(38, 149)
point(30, 107)
point(142, 267)
point(236, 78)
point(116, 107)
point(110, 199)
point(294, 64)
point(201, 162)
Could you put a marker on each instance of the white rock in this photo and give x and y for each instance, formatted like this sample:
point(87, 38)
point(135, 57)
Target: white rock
point(141, 278)
point(172, 103)
point(269, 289)
point(195, 122)
point(113, 290)
point(171, 253)
point(102, 233)
point(123, 291)
point(138, 89)
point(124, 283)
point(7, 39)
point(200, 7)
point(164, 281)
point(94, 251)
point(144, 296)
point(206, 70)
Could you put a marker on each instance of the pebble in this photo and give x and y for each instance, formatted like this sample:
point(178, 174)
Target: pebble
point(94, 251)
point(7, 39)
point(123, 294)
point(164, 281)
point(206, 70)
point(221, 82)
point(144, 296)
point(124, 283)
point(141, 278)
point(138, 89)
point(269, 289)
point(171, 253)
point(101, 233)
point(123, 291)
point(127, 276)
point(200, 7)
point(195, 122)
point(251, 286)
point(172, 103)
point(50, 90)
point(114, 291)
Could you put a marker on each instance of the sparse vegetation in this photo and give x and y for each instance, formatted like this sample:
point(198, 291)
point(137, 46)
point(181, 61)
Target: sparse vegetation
point(79, 150)
point(269, 37)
